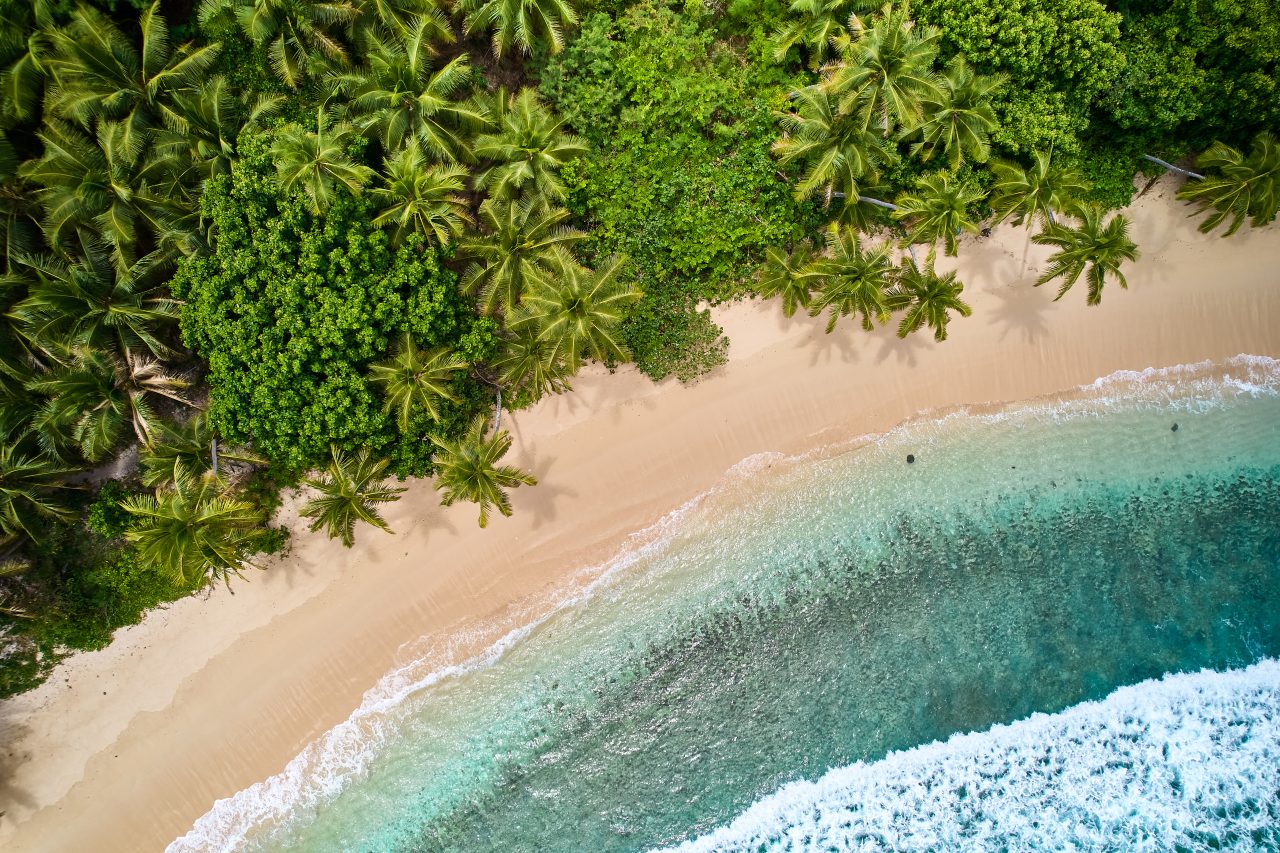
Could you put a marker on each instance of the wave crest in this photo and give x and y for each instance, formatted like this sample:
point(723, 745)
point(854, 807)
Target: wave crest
point(1189, 762)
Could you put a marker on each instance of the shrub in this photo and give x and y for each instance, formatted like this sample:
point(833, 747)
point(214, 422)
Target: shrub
point(680, 178)
point(290, 310)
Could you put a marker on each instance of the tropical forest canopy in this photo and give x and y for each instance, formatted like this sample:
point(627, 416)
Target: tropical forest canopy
point(250, 244)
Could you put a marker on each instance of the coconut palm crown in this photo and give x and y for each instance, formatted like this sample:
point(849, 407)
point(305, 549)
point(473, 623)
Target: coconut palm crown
point(840, 153)
point(301, 36)
point(317, 162)
point(193, 531)
point(885, 69)
point(958, 117)
point(928, 299)
point(852, 281)
point(351, 488)
point(526, 151)
point(1237, 187)
point(519, 24)
point(1035, 194)
point(579, 310)
point(467, 469)
point(416, 380)
point(1095, 249)
point(401, 96)
point(420, 199)
point(939, 209)
point(522, 238)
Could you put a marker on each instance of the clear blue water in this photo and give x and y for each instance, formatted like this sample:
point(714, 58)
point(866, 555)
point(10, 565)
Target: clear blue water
point(825, 612)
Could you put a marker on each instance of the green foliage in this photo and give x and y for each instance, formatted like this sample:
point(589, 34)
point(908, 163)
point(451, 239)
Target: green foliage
point(291, 311)
point(1059, 55)
point(1095, 249)
point(350, 490)
point(1197, 71)
point(679, 177)
point(1237, 186)
point(105, 516)
point(274, 541)
point(469, 470)
point(82, 586)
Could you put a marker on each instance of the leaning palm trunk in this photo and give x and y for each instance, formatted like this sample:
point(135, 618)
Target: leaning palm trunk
point(1173, 168)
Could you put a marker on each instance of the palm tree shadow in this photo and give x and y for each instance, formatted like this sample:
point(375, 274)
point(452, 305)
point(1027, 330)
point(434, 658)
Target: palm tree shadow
point(1021, 311)
point(824, 348)
point(12, 798)
point(540, 500)
point(424, 516)
point(902, 350)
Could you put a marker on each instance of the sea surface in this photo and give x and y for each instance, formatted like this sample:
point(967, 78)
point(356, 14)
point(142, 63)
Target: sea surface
point(1054, 630)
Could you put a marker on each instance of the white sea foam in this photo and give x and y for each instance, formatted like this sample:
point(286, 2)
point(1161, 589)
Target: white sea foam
point(1191, 762)
point(343, 754)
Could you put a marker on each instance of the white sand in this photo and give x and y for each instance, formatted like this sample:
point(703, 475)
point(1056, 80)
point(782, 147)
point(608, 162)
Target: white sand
point(123, 749)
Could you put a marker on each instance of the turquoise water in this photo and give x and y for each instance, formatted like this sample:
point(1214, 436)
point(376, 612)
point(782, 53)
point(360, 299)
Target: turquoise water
point(815, 613)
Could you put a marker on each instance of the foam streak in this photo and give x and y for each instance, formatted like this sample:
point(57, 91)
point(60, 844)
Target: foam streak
point(1189, 762)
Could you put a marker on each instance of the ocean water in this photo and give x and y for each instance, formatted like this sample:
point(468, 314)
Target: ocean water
point(785, 662)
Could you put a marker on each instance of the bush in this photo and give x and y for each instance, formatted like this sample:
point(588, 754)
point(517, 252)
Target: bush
point(290, 310)
point(1059, 56)
point(680, 178)
point(81, 587)
point(106, 517)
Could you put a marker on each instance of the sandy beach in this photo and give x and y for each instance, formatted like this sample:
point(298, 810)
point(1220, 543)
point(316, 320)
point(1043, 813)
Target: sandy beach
point(125, 748)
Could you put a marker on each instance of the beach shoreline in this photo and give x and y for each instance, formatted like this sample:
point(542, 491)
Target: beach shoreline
point(222, 691)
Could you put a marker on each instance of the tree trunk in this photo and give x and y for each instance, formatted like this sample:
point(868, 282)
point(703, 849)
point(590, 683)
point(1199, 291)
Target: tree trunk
point(497, 413)
point(213, 454)
point(1173, 168)
point(869, 200)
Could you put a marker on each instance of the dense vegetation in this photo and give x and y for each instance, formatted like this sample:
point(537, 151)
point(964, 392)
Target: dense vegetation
point(269, 240)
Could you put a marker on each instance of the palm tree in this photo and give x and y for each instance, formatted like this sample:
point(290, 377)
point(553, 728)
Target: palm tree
point(89, 304)
point(401, 16)
point(788, 275)
point(203, 123)
point(185, 449)
point(25, 33)
point(298, 34)
point(1101, 247)
point(19, 212)
point(958, 115)
point(110, 186)
point(939, 210)
point(927, 297)
point(317, 161)
point(523, 238)
point(100, 74)
point(527, 151)
point(528, 363)
point(193, 531)
point(852, 281)
point(1035, 194)
point(350, 490)
point(467, 469)
point(421, 199)
point(816, 24)
point(415, 380)
point(520, 23)
point(30, 486)
point(840, 152)
point(885, 70)
point(1237, 187)
point(579, 310)
point(91, 399)
point(399, 98)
